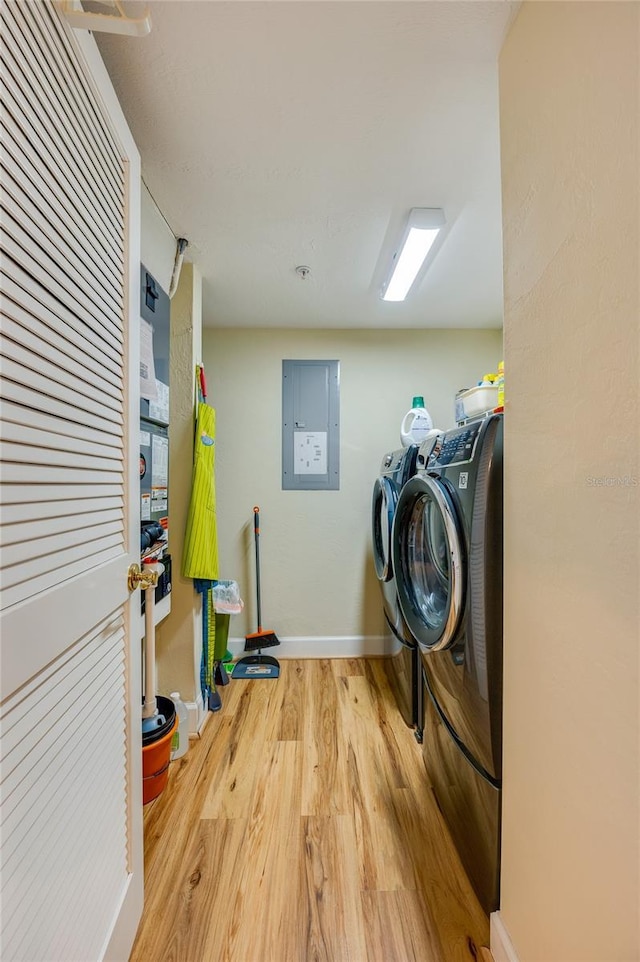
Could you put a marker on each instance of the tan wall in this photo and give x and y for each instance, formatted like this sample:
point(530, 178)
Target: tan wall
point(157, 243)
point(569, 126)
point(317, 571)
point(179, 636)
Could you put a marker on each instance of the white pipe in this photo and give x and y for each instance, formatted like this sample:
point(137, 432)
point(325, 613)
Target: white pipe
point(150, 707)
point(177, 265)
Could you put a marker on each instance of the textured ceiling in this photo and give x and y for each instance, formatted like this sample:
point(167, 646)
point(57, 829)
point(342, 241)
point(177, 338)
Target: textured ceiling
point(275, 134)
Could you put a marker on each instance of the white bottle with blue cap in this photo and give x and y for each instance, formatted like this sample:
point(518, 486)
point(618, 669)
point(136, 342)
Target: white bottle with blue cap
point(416, 423)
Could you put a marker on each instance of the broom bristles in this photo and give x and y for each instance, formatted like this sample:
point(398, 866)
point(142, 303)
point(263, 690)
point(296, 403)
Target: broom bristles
point(260, 639)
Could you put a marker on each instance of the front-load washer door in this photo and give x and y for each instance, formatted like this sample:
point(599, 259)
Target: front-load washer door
point(383, 507)
point(428, 560)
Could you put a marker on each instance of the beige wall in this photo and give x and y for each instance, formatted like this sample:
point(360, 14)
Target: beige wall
point(317, 571)
point(569, 126)
point(157, 243)
point(179, 636)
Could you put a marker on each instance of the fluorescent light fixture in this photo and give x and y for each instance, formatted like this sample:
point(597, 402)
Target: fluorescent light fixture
point(422, 228)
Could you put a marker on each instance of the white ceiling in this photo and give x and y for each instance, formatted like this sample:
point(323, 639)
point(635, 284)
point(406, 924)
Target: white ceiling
point(278, 133)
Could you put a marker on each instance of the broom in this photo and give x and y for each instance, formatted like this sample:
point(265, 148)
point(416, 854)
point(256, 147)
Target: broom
point(261, 638)
point(258, 665)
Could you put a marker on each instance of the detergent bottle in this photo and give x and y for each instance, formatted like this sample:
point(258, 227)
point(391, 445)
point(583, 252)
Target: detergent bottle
point(500, 383)
point(416, 423)
point(180, 739)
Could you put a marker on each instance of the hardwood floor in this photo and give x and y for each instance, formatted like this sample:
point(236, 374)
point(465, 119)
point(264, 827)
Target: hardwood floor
point(301, 828)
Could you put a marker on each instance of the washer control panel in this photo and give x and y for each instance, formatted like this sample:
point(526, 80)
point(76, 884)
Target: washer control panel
point(426, 449)
point(392, 462)
point(455, 447)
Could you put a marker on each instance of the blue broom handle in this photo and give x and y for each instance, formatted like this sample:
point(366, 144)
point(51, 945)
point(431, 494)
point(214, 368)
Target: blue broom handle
point(256, 532)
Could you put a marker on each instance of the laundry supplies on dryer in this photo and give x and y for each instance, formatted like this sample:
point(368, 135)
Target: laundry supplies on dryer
point(416, 424)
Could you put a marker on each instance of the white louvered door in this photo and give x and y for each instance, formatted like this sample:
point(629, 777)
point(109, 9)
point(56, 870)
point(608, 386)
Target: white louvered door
point(70, 758)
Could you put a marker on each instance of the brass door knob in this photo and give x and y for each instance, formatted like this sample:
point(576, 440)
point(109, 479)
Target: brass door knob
point(138, 577)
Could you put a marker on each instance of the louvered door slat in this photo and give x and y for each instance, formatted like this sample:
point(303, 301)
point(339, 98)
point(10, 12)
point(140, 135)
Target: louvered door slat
point(18, 731)
point(43, 430)
point(38, 338)
point(51, 865)
point(50, 758)
point(83, 204)
point(17, 203)
point(66, 944)
point(88, 648)
point(81, 100)
point(24, 501)
point(63, 810)
point(41, 574)
point(39, 384)
point(21, 552)
point(27, 396)
point(80, 212)
point(38, 262)
point(27, 751)
point(44, 111)
point(70, 892)
point(53, 67)
point(28, 513)
point(31, 450)
point(77, 327)
point(106, 456)
point(57, 366)
point(14, 471)
point(70, 792)
point(27, 532)
point(21, 207)
point(38, 187)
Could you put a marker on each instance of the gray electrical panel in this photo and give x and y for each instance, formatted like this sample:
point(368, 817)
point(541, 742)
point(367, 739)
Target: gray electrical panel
point(154, 410)
point(155, 308)
point(311, 425)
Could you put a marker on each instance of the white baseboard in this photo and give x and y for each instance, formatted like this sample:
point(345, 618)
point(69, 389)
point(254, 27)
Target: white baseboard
point(502, 948)
point(347, 646)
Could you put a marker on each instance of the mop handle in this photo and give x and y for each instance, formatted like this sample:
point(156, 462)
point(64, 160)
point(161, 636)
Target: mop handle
point(256, 532)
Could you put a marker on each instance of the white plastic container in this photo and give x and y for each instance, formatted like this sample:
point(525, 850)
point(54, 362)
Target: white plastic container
point(180, 739)
point(476, 401)
point(416, 423)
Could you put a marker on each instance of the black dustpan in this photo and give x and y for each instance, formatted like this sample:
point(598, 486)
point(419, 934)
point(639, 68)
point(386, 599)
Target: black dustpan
point(256, 666)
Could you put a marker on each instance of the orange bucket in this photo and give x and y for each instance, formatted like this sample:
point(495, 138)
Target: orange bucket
point(155, 765)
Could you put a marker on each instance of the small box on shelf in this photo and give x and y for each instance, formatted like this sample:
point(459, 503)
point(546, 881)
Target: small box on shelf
point(475, 402)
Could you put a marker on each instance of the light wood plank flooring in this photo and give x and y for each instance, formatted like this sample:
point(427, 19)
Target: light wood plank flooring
point(301, 827)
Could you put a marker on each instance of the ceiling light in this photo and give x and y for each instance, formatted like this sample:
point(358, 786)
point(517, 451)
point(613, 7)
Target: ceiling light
point(421, 231)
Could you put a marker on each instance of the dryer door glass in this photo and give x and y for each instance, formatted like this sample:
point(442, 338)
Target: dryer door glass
point(383, 508)
point(428, 560)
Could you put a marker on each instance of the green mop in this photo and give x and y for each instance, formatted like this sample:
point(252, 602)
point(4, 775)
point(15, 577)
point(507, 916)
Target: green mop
point(200, 557)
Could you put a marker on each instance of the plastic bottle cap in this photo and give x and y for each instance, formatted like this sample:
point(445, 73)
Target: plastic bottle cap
point(418, 402)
